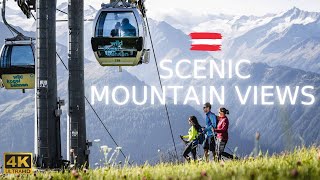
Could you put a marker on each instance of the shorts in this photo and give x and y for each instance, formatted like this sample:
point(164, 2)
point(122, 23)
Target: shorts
point(209, 143)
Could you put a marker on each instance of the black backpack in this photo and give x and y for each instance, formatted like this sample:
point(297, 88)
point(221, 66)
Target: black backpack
point(201, 136)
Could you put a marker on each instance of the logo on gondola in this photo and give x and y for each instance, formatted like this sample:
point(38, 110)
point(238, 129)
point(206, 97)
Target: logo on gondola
point(18, 81)
point(115, 49)
point(205, 41)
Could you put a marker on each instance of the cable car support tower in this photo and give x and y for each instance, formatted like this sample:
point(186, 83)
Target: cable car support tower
point(48, 104)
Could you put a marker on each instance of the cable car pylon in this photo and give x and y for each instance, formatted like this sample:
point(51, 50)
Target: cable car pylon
point(48, 153)
point(79, 146)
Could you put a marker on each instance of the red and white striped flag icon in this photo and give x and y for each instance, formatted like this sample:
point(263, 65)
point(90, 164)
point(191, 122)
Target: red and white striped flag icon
point(205, 41)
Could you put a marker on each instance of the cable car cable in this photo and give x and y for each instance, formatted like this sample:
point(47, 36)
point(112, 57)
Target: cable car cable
point(61, 11)
point(62, 20)
point(106, 128)
point(65, 66)
point(95, 112)
point(165, 105)
point(33, 16)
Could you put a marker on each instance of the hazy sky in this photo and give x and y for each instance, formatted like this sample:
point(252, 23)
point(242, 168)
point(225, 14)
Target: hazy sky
point(239, 7)
point(248, 7)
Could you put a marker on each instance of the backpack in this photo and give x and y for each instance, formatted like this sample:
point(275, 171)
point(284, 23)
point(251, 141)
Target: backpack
point(201, 136)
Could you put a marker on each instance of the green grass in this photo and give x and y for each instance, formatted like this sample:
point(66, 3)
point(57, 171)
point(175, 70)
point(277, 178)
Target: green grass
point(303, 163)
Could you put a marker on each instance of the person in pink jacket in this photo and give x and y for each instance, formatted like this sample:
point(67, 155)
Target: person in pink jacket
point(222, 131)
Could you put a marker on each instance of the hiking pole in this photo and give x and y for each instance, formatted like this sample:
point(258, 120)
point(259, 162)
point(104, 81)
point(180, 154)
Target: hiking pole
point(230, 149)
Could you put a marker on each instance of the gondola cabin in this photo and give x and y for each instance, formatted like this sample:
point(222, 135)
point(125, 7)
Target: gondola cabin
point(17, 64)
point(119, 35)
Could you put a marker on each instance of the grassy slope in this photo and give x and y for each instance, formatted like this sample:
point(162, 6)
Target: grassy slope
point(302, 164)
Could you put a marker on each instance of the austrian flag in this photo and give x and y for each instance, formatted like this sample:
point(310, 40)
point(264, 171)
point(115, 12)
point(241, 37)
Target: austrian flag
point(205, 41)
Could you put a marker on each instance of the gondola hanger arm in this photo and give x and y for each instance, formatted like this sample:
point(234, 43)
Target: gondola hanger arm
point(19, 36)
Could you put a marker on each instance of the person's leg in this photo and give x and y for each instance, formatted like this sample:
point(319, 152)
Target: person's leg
point(187, 150)
point(220, 148)
point(206, 155)
point(213, 147)
point(206, 149)
point(217, 148)
point(227, 155)
point(194, 152)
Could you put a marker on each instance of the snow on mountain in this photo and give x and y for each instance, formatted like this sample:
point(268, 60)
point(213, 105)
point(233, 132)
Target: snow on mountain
point(289, 38)
point(200, 21)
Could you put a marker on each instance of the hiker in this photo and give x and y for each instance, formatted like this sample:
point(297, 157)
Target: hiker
point(211, 122)
point(191, 142)
point(222, 131)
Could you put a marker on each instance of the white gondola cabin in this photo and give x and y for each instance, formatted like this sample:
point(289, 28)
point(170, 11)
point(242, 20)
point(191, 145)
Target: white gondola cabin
point(119, 35)
point(17, 64)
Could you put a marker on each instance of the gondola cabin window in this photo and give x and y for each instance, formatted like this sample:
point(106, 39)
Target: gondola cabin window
point(22, 56)
point(17, 56)
point(117, 24)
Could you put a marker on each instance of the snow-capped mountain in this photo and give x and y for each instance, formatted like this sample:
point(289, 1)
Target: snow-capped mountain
point(290, 38)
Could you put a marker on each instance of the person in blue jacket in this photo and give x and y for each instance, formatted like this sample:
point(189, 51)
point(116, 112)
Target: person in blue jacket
point(127, 28)
point(211, 122)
